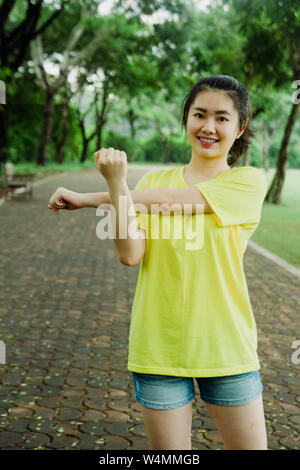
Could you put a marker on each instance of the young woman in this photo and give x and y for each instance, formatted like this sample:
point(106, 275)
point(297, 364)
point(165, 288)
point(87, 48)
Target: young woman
point(191, 315)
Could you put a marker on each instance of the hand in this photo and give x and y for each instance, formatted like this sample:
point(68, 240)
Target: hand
point(112, 164)
point(63, 198)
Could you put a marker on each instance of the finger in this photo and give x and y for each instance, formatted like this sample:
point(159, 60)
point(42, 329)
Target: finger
point(96, 157)
point(117, 156)
point(110, 154)
point(102, 156)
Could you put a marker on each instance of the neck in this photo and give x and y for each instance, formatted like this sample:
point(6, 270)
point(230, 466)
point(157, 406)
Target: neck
point(209, 167)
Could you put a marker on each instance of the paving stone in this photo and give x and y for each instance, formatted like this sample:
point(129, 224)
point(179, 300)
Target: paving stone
point(72, 402)
point(119, 405)
point(8, 438)
point(113, 416)
point(282, 429)
point(18, 412)
point(119, 429)
point(18, 425)
point(43, 425)
point(114, 443)
point(43, 412)
point(62, 442)
point(138, 430)
point(76, 381)
point(139, 444)
point(92, 415)
point(213, 436)
point(50, 402)
point(88, 442)
point(92, 428)
point(65, 414)
point(96, 405)
point(32, 440)
point(295, 419)
point(290, 442)
point(199, 446)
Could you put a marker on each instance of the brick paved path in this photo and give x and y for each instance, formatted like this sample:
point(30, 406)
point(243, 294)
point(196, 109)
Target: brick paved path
point(64, 316)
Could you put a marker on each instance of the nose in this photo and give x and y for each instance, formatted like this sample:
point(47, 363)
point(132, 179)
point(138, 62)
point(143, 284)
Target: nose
point(208, 125)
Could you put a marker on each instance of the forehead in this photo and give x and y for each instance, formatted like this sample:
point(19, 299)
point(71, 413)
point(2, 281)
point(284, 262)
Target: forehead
point(213, 100)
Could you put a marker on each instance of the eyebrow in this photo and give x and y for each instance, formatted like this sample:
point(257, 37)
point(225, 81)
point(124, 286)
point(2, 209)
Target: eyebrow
point(217, 112)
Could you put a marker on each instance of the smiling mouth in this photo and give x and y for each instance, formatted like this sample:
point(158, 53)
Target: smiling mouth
point(207, 141)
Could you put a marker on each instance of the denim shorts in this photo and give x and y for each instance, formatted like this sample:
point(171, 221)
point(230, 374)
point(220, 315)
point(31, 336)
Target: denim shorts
point(164, 392)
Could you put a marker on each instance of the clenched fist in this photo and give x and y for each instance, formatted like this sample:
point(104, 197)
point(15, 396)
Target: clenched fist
point(112, 164)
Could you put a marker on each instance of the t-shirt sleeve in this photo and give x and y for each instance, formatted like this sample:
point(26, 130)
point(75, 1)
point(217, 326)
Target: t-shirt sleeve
point(236, 198)
point(143, 183)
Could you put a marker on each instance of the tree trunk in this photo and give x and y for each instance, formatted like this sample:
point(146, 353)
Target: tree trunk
point(131, 116)
point(84, 150)
point(99, 138)
point(265, 148)
point(165, 142)
point(46, 129)
point(266, 158)
point(65, 133)
point(101, 117)
point(274, 192)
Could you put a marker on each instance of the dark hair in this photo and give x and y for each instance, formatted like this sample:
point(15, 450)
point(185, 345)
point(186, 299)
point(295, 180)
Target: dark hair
point(239, 95)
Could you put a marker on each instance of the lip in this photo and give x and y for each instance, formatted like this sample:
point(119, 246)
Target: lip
point(206, 144)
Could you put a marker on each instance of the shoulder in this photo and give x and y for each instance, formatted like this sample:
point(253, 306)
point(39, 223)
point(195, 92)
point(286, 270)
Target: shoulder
point(251, 170)
point(157, 177)
point(250, 174)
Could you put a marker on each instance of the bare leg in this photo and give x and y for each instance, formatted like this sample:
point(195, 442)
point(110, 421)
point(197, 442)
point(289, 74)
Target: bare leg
point(169, 429)
point(241, 427)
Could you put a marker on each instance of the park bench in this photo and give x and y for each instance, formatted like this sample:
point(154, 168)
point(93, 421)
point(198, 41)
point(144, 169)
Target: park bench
point(18, 186)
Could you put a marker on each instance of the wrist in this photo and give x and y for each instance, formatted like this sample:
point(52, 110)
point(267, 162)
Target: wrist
point(116, 184)
point(94, 199)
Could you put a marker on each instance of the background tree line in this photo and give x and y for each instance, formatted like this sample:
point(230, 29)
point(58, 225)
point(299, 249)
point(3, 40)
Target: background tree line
point(77, 79)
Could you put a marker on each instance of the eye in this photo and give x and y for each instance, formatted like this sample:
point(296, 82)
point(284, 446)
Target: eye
point(222, 117)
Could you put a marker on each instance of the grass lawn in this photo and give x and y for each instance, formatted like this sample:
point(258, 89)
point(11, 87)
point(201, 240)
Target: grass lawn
point(279, 227)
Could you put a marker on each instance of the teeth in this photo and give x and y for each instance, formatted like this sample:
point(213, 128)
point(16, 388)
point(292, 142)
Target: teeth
point(206, 140)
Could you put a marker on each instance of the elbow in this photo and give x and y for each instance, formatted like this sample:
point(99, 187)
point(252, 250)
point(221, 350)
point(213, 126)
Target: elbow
point(128, 262)
point(132, 256)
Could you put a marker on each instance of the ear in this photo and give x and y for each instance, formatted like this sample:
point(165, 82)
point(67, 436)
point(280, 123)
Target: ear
point(241, 130)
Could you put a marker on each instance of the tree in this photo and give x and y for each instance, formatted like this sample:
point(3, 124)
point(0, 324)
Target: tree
point(272, 51)
point(51, 87)
point(16, 33)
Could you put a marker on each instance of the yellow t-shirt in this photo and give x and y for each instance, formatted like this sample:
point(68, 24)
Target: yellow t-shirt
point(191, 313)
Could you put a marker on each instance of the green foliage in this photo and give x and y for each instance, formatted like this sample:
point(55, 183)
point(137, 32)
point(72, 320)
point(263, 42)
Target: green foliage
point(150, 150)
point(121, 142)
point(150, 67)
point(24, 119)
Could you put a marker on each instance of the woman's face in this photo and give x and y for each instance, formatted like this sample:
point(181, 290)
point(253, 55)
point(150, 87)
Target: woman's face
point(210, 123)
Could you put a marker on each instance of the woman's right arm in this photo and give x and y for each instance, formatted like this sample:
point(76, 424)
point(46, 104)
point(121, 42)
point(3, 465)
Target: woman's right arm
point(151, 200)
